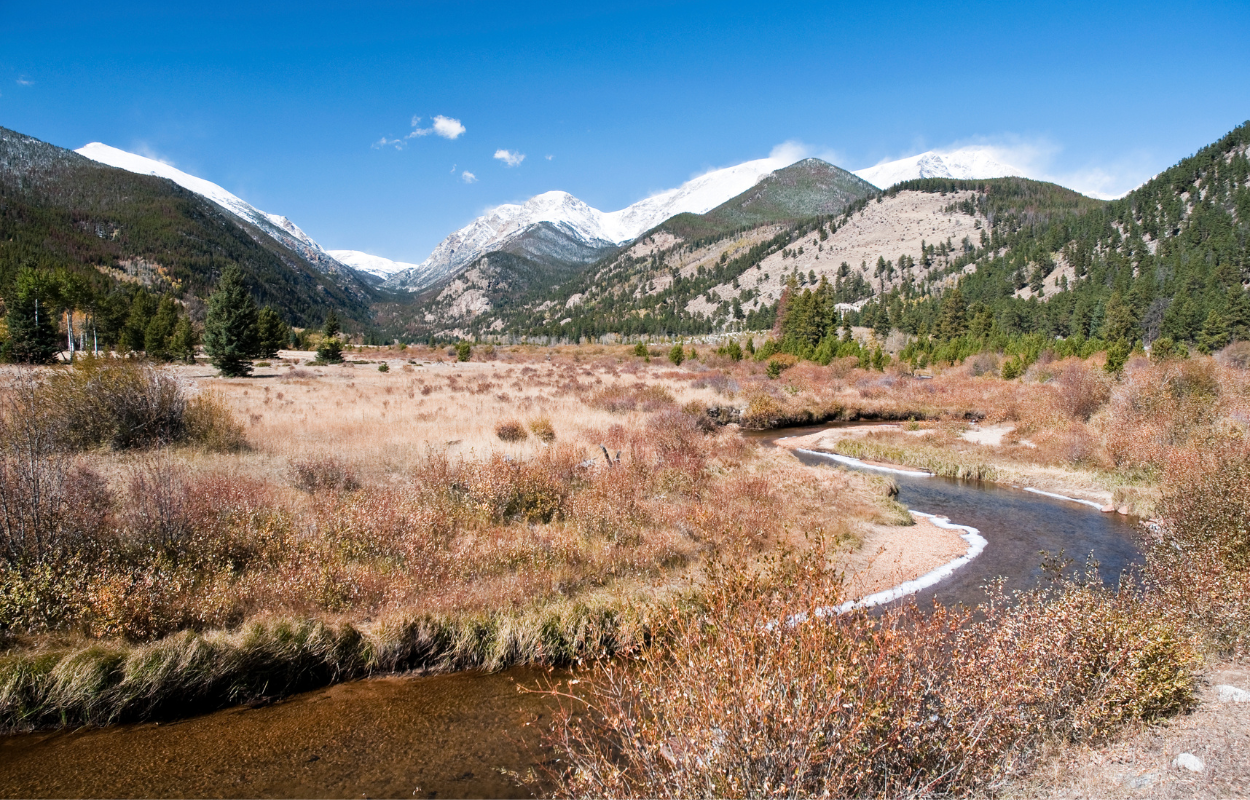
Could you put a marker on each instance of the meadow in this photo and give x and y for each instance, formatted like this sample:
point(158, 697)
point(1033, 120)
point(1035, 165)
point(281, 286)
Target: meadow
point(174, 541)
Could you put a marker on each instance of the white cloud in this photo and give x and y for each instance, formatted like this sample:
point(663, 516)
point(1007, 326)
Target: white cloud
point(468, 177)
point(447, 127)
point(550, 157)
point(24, 81)
point(509, 158)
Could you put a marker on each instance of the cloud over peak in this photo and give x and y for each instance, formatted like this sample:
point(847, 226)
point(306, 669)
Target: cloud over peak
point(509, 157)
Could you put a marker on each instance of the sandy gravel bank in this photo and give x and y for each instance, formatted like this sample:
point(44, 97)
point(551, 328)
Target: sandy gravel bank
point(891, 555)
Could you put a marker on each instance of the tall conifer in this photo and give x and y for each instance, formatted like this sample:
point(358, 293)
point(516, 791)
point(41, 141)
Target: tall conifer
point(230, 335)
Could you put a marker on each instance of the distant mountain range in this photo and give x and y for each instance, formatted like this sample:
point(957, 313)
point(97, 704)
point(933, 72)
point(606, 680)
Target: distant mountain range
point(555, 226)
point(582, 226)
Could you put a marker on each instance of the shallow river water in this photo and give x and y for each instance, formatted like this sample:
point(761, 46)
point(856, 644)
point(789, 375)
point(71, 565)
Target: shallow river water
point(469, 734)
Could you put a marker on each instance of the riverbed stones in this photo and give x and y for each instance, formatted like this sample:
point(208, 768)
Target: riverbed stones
point(1190, 762)
point(1107, 509)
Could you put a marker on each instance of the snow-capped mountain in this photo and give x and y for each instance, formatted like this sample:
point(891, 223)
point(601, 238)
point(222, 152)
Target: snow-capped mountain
point(586, 225)
point(374, 265)
point(280, 228)
point(966, 163)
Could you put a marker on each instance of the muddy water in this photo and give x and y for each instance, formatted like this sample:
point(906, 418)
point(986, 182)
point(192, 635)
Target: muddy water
point(463, 735)
point(469, 735)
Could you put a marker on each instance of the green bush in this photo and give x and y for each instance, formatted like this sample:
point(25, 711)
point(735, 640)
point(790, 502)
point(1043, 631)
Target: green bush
point(464, 351)
point(640, 350)
point(677, 355)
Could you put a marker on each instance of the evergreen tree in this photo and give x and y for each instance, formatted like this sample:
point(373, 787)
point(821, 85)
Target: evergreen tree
point(230, 330)
point(953, 316)
point(272, 333)
point(31, 320)
point(160, 330)
point(1119, 322)
point(134, 332)
point(184, 341)
point(1214, 333)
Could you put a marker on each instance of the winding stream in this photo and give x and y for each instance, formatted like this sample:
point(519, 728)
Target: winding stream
point(466, 735)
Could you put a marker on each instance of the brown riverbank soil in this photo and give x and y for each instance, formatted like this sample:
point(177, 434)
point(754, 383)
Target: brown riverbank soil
point(1140, 765)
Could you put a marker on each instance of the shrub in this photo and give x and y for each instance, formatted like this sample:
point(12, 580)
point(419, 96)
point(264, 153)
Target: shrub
point(774, 369)
point(327, 473)
point(762, 689)
point(1201, 557)
point(210, 424)
point(542, 429)
point(116, 403)
point(621, 398)
point(1236, 355)
point(1082, 391)
point(1013, 368)
point(384, 368)
point(640, 350)
point(677, 355)
point(511, 430)
point(464, 351)
point(983, 364)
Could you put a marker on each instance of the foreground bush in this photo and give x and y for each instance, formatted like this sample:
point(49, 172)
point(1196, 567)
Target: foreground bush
point(118, 404)
point(764, 692)
point(1200, 557)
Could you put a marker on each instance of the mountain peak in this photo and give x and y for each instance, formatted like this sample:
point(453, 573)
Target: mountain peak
point(591, 227)
point(965, 163)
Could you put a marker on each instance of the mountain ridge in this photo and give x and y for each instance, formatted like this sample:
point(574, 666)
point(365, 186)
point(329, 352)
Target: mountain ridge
point(592, 227)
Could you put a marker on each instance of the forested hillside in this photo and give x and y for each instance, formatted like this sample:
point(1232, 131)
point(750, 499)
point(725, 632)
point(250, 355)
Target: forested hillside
point(104, 236)
point(1166, 265)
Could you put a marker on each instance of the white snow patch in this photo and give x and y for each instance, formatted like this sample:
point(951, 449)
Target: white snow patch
point(374, 265)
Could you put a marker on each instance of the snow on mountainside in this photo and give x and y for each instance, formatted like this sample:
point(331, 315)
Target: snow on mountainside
point(964, 163)
point(279, 227)
point(374, 265)
point(592, 227)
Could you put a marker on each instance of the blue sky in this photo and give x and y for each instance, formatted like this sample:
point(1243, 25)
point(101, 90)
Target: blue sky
point(285, 104)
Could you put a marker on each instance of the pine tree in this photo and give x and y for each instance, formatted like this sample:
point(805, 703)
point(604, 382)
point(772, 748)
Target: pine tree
point(1119, 322)
point(143, 307)
point(32, 334)
point(230, 333)
point(953, 316)
point(1214, 333)
point(184, 341)
point(160, 330)
point(330, 351)
point(272, 333)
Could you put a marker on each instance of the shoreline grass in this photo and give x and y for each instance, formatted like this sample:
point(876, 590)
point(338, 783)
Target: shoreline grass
point(109, 682)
